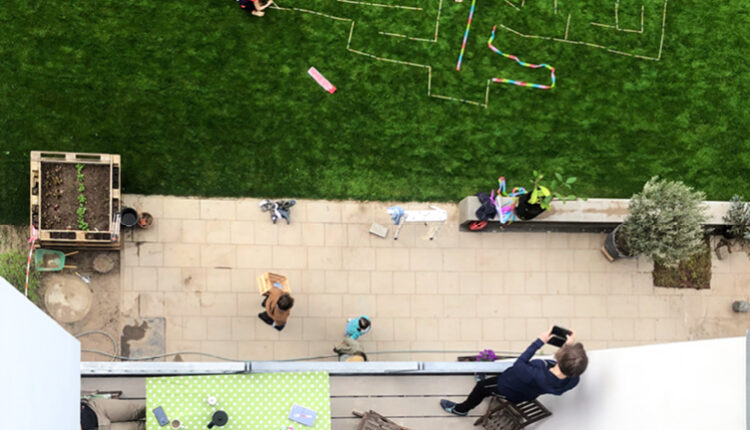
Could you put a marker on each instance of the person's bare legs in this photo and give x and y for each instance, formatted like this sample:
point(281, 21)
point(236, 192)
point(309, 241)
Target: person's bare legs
point(259, 8)
point(117, 411)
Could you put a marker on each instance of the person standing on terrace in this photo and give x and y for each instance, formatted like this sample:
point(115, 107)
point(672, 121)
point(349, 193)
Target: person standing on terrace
point(278, 305)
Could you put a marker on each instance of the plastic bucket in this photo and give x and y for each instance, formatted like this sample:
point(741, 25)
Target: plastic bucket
point(128, 217)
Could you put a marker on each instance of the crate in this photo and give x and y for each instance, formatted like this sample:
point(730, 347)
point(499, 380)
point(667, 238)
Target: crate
point(266, 281)
point(108, 238)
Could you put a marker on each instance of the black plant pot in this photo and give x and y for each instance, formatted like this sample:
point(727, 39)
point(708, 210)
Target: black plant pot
point(610, 249)
point(128, 217)
point(725, 232)
point(525, 210)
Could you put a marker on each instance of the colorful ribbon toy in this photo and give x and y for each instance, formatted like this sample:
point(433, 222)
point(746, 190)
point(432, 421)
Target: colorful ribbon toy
point(532, 66)
point(466, 35)
point(505, 211)
point(34, 236)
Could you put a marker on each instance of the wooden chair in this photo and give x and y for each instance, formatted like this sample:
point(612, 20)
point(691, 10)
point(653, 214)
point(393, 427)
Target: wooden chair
point(504, 415)
point(372, 420)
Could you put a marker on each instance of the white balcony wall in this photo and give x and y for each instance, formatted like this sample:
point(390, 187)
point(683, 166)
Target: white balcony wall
point(687, 385)
point(39, 367)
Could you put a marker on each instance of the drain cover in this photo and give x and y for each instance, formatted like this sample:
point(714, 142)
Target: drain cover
point(67, 299)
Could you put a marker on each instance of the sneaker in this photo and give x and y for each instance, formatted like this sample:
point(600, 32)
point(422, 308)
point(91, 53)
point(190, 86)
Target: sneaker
point(258, 13)
point(265, 318)
point(450, 407)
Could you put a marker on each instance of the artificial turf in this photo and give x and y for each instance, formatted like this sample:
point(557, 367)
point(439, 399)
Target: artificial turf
point(201, 98)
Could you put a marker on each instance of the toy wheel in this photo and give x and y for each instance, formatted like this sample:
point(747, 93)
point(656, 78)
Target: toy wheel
point(477, 225)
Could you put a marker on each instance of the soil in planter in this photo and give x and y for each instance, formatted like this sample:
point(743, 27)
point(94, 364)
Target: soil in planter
point(695, 272)
point(60, 196)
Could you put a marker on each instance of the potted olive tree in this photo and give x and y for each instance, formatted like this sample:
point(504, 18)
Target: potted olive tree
point(665, 223)
point(737, 220)
point(541, 194)
point(737, 228)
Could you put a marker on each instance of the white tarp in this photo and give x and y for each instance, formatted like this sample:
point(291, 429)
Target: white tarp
point(687, 385)
point(40, 381)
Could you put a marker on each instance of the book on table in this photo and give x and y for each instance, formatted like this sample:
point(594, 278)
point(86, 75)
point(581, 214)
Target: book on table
point(302, 415)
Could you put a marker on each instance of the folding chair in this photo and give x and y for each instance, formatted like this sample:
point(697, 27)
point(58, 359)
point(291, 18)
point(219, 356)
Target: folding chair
point(504, 415)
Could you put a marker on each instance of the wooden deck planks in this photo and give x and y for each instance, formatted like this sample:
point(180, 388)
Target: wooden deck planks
point(410, 400)
point(434, 423)
point(392, 406)
point(401, 385)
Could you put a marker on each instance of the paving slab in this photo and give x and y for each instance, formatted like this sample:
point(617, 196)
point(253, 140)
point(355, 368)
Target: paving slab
point(463, 291)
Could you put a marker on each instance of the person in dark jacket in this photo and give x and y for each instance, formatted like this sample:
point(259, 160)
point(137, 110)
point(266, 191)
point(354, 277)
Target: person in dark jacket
point(527, 379)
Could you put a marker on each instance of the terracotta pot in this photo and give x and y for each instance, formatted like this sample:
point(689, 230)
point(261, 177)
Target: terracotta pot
point(145, 220)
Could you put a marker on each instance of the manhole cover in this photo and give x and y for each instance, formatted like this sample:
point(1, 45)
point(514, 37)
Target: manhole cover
point(67, 298)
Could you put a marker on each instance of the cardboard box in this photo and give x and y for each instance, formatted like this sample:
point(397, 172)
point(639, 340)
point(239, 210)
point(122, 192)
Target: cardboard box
point(267, 280)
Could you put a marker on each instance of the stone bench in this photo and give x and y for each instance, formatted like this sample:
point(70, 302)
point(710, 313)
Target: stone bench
point(590, 216)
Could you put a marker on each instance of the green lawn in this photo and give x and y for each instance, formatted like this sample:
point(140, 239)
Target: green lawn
point(201, 98)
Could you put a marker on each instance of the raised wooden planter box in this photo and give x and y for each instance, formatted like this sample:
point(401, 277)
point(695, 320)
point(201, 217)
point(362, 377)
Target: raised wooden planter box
point(590, 216)
point(54, 193)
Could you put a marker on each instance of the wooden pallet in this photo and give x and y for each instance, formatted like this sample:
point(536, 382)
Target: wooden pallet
point(110, 238)
point(372, 420)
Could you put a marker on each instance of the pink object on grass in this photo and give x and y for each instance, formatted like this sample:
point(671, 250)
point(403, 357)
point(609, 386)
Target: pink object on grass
point(323, 82)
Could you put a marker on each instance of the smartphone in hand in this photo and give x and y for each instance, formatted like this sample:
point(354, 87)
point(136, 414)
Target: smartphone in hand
point(559, 336)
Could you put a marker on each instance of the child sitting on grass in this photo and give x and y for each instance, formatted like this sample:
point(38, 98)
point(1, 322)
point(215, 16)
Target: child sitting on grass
point(254, 6)
point(357, 327)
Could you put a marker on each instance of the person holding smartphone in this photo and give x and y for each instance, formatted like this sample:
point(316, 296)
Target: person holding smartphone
point(527, 379)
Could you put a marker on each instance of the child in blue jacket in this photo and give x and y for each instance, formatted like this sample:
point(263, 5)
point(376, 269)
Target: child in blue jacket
point(356, 327)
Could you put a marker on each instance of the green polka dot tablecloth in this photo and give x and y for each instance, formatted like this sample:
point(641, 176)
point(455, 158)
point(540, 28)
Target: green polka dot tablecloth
point(252, 401)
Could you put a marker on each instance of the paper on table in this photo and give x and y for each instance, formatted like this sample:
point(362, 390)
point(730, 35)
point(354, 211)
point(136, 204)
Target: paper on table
point(302, 415)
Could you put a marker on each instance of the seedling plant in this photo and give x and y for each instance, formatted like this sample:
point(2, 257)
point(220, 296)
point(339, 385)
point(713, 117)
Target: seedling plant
point(81, 211)
point(543, 194)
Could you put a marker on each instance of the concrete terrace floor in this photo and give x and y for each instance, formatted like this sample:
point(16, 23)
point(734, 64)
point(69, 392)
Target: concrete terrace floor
point(464, 291)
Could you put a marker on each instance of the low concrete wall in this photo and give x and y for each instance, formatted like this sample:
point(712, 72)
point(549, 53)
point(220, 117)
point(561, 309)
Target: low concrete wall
point(39, 367)
point(129, 368)
point(685, 385)
point(592, 215)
